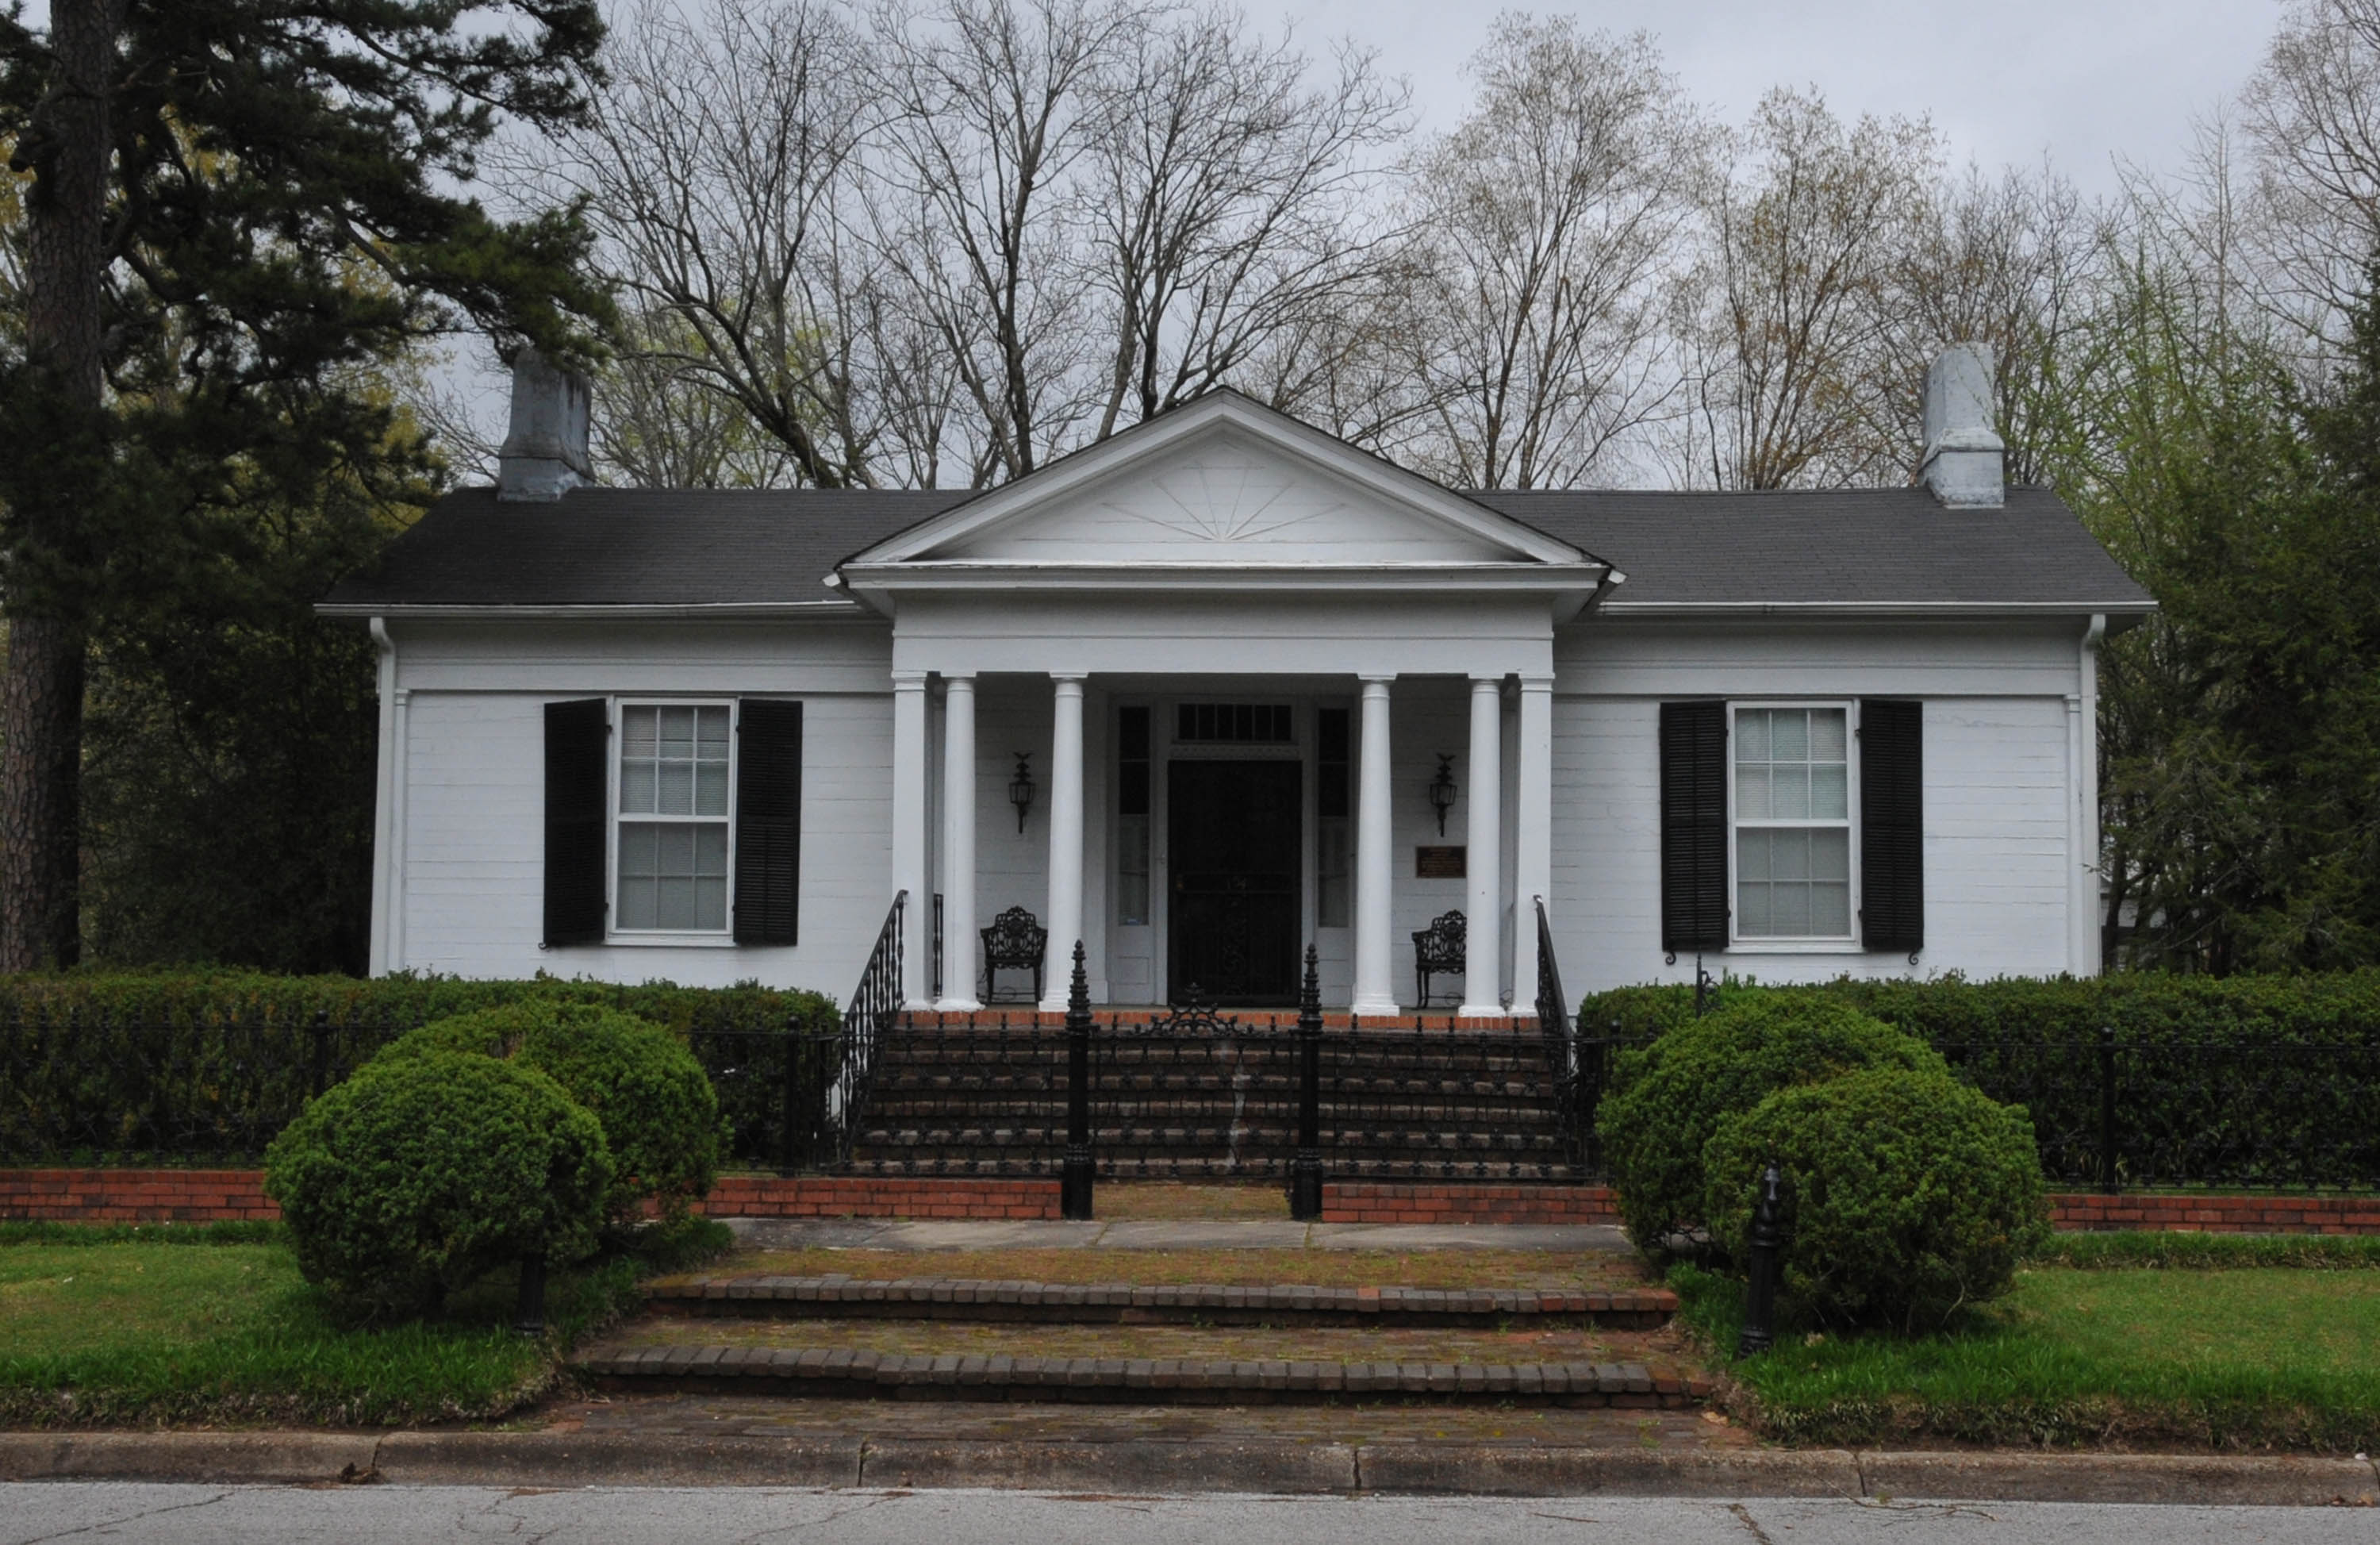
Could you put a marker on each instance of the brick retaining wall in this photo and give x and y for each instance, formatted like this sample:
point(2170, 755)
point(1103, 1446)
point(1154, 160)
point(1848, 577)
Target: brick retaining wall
point(212, 1196)
point(743, 1196)
point(2089, 1213)
point(1381, 1203)
point(135, 1196)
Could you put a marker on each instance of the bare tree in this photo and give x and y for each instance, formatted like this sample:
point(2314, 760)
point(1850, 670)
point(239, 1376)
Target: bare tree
point(990, 107)
point(2005, 262)
point(716, 168)
point(1786, 317)
point(666, 423)
point(1228, 200)
point(1545, 225)
point(2313, 114)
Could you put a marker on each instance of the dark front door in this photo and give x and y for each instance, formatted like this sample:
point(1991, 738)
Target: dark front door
point(1233, 857)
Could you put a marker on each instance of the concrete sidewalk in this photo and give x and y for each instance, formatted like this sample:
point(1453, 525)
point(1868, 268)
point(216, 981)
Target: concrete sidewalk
point(884, 1233)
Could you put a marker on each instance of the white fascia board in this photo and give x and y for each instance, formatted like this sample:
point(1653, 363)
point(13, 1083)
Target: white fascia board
point(729, 610)
point(1155, 436)
point(1873, 608)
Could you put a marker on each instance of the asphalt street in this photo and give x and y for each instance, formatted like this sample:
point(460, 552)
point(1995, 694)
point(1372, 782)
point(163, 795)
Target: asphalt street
point(37, 1513)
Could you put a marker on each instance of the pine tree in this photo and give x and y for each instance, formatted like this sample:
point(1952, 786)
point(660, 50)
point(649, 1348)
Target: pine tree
point(239, 212)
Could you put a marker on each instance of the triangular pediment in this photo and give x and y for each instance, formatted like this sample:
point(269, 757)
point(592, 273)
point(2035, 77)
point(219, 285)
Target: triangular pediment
point(1227, 483)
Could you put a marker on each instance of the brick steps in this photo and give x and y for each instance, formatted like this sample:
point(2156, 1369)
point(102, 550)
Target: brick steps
point(976, 1299)
point(850, 1373)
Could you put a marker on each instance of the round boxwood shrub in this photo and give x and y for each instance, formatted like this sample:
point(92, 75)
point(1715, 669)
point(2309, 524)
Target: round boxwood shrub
point(1909, 1194)
point(657, 1107)
point(1672, 1097)
point(415, 1176)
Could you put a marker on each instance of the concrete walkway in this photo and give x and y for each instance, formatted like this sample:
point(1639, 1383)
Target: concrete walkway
point(887, 1233)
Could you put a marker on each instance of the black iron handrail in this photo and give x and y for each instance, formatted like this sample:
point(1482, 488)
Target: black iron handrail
point(874, 1008)
point(1575, 1092)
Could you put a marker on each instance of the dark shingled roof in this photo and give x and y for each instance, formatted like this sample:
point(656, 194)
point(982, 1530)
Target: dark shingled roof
point(1879, 545)
point(628, 547)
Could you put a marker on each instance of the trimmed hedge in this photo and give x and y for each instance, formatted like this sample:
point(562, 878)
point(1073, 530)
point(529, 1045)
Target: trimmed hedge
point(208, 1066)
point(2254, 1082)
point(659, 1112)
point(415, 1177)
point(1912, 1195)
point(1677, 1094)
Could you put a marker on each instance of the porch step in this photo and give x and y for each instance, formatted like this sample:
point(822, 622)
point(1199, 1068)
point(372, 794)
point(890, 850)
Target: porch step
point(981, 1299)
point(860, 1373)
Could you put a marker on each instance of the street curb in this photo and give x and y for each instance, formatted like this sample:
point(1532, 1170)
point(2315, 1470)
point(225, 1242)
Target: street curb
point(564, 1459)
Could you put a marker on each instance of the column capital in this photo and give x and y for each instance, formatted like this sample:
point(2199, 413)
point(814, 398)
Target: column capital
point(1533, 681)
point(1488, 678)
point(967, 676)
point(1375, 678)
point(1069, 679)
point(912, 680)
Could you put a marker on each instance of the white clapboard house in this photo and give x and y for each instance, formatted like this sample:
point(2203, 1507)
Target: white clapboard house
point(1222, 685)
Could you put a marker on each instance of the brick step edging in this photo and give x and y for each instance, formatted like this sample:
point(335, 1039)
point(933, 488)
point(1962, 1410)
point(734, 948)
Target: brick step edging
point(843, 1371)
point(1130, 1304)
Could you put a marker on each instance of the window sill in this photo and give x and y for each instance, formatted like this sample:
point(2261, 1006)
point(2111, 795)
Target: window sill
point(1801, 946)
point(673, 940)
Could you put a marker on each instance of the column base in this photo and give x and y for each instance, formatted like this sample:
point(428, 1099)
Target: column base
point(1377, 1008)
point(1482, 1011)
point(957, 1005)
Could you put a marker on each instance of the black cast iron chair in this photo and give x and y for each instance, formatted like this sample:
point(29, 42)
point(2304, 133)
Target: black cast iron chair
point(1014, 941)
point(1437, 952)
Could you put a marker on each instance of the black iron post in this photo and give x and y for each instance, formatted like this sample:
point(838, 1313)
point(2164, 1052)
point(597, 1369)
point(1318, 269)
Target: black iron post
point(1075, 1180)
point(1702, 985)
point(789, 1153)
point(1305, 1170)
point(1759, 1333)
point(529, 1310)
point(321, 1052)
point(2107, 1110)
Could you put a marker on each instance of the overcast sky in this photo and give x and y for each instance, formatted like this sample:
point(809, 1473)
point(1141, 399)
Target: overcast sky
point(2083, 81)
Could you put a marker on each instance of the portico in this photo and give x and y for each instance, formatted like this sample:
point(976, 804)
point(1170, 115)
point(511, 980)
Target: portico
point(1225, 561)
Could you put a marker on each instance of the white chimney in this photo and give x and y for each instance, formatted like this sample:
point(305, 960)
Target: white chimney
point(544, 454)
point(1964, 452)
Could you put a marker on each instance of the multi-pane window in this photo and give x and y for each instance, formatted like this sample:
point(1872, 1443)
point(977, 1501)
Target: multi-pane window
point(1132, 816)
point(674, 794)
point(1245, 723)
point(1792, 823)
point(1333, 836)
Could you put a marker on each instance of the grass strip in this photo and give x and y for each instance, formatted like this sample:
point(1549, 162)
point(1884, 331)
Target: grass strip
point(1661, 1349)
point(2240, 1358)
point(236, 1232)
point(144, 1331)
point(2211, 1252)
point(1257, 1268)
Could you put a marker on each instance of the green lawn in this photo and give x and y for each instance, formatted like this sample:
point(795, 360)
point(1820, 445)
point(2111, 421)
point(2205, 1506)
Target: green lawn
point(2245, 1357)
point(117, 1330)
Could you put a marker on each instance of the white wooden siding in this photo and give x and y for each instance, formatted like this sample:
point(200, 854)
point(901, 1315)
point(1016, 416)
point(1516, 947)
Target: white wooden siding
point(475, 849)
point(1995, 788)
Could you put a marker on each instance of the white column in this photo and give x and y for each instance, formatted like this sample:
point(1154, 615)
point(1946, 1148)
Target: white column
point(910, 775)
point(2092, 962)
point(401, 699)
point(1375, 992)
point(384, 800)
point(959, 941)
point(1065, 841)
point(1533, 865)
point(1482, 966)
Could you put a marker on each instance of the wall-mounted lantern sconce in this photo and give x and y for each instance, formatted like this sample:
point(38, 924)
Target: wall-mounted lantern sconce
point(1020, 788)
point(1441, 790)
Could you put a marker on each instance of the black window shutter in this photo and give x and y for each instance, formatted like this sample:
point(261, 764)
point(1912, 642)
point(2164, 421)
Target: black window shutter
point(1693, 826)
point(767, 821)
point(578, 749)
point(1892, 846)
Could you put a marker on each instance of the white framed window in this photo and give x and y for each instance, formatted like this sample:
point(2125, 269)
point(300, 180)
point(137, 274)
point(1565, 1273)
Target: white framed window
point(673, 795)
point(1792, 855)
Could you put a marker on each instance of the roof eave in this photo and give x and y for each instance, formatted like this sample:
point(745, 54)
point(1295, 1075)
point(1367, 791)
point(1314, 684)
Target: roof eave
point(689, 611)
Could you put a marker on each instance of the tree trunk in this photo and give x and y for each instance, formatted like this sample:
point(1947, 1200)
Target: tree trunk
point(67, 148)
